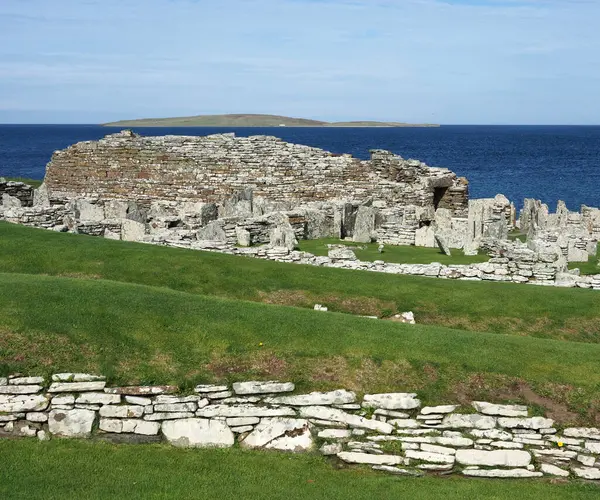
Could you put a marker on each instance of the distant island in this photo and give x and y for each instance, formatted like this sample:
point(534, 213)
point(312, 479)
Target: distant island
point(251, 121)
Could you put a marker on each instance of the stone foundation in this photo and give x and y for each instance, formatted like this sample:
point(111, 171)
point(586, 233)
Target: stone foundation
point(393, 432)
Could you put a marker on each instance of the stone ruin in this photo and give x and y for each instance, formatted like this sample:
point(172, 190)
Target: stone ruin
point(392, 432)
point(240, 194)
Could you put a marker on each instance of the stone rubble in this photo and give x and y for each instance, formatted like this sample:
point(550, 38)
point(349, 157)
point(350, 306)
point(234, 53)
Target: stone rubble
point(499, 441)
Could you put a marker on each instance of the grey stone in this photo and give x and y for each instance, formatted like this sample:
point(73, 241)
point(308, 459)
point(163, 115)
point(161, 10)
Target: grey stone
point(500, 410)
point(77, 386)
point(392, 401)
point(244, 388)
point(198, 433)
point(504, 458)
point(338, 397)
point(71, 423)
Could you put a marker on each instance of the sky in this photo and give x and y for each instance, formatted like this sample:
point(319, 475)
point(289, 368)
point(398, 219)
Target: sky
point(435, 61)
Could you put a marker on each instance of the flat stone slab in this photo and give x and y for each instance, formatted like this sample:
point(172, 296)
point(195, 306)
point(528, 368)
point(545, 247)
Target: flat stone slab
point(354, 457)
point(20, 389)
point(333, 414)
point(586, 472)
point(436, 458)
point(553, 470)
point(503, 473)
point(76, 377)
point(533, 423)
point(206, 388)
point(25, 380)
point(244, 411)
point(77, 386)
point(433, 410)
point(142, 390)
point(98, 398)
point(272, 428)
point(392, 401)
point(315, 399)
point(71, 423)
point(500, 410)
point(468, 421)
point(122, 411)
point(505, 458)
point(582, 432)
point(198, 433)
point(395, 470)
point(245, 388)
point(22, 403)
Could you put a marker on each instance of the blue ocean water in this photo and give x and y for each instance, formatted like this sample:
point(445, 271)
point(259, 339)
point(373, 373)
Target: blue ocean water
point(544, 162)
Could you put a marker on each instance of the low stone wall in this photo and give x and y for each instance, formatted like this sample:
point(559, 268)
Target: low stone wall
point(517, 268)
point(391, 432)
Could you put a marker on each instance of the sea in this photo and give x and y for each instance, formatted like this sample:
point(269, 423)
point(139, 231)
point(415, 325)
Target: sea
point(549, 163)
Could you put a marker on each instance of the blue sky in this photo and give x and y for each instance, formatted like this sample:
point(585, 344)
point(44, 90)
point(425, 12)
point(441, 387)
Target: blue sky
point(452, 61)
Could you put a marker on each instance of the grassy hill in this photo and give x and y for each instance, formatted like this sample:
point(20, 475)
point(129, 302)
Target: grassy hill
point(248, 120)
point(142, 313)
point(147, 314)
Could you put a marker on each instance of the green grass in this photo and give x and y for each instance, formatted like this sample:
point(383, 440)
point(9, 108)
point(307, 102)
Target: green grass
point(570, 314)
point(395, 254)
point(62, 470)
point(32, 182)
point(592, 266)
point(135, 333)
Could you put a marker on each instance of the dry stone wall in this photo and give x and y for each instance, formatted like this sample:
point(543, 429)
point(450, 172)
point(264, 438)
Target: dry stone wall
point(392, 432)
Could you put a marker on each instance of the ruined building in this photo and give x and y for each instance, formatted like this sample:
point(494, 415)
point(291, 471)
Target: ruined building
point(226, 193)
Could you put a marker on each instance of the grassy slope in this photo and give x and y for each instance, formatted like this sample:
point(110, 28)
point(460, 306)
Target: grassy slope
point(480, 306)
point(245, 120)
point(76, 469)
point(32, 182)
point(136, 333)
point(398, 254)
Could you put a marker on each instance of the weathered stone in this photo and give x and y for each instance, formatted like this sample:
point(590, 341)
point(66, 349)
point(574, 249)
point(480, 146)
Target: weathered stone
point(124, 411)
point(432, 410)
point(326, 413)
point(139, 401)
point(593, 446)
point(20, 389)
point(244, 388)
point(314, 399)
point(331, 449)
point(335, 434)
point(437, 458)
point(244, 411)
point(25, 380)
point(395, 470)
point(432, 448)
point(242, 421)
point(142, 390)
point(504, 473)
point(98, 398)
point(269, 433)
point(582, 432)
point(366, 458)
point(76, 377)
point(76, 386)
point(525, 423)
point(177, 407)
point(71, 423)
point(170, 415)
point(469, 421)
point(442, 245)
point(500, 410)
point(37, 417)
point(198, 433)
point(392, 401)
point(505, 458)
point(364, 225)
point(210, 388)
point(553, 470)
point(586, 472)
point(23, 403)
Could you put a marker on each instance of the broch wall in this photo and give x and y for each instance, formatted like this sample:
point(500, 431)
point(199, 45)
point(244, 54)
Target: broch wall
point(392, 432)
